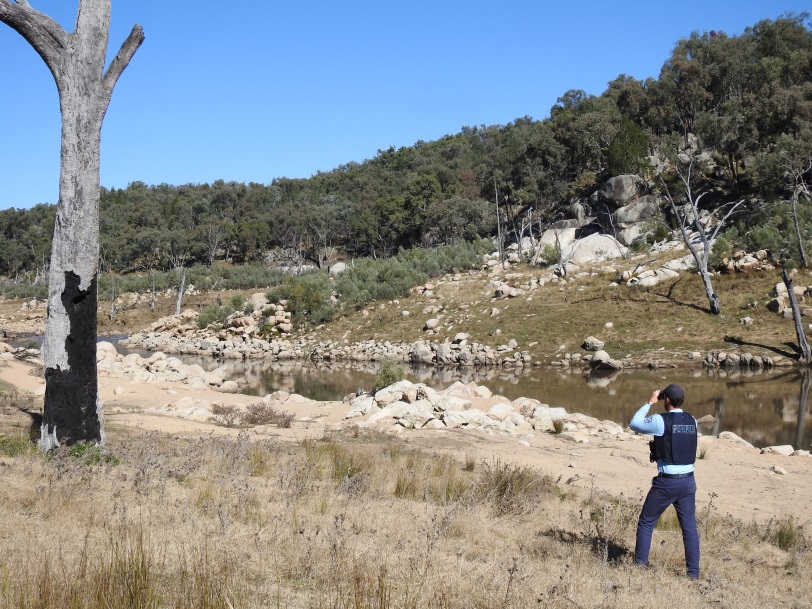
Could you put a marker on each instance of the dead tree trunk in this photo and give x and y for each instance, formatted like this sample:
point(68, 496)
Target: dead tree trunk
point(76, 61)
point(803, 344)
point(181, 289)
point(703, 230)
point(796, 171)
point(801, 249)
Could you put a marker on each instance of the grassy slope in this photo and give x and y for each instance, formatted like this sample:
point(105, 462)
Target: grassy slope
point(661, 322)
point(670, 319)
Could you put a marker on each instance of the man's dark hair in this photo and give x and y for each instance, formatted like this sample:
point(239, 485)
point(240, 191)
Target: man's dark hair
point(675, 393)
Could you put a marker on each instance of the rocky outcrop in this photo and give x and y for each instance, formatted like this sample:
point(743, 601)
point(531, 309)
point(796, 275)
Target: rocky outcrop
point(417, 406)
point(621, 190)
point(742, 262)
point(628, 223)
point(593, 249)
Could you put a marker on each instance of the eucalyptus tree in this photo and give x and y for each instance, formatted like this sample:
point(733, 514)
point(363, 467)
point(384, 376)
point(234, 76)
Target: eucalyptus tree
point(684, 79)
point(787, 167)
point(77, 62)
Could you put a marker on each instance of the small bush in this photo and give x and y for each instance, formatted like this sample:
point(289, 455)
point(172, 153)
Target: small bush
point(90, 454)
point(550, 255)
point(227, 415)
point(212, 315)
point(265, 414)
point(391, 371)
point(237, 302)
point(787, 535)
point(511, 489)
point(721, 250)
point(657, 231)
point(231, 415)
point(307, 297)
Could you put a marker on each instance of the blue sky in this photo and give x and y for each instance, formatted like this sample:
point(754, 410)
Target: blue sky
point(254, 90)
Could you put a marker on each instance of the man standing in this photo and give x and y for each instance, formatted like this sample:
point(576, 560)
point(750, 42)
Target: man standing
point(674, 449)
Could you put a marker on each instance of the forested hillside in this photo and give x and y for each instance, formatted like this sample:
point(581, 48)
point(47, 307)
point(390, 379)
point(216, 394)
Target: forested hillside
point(744, 103)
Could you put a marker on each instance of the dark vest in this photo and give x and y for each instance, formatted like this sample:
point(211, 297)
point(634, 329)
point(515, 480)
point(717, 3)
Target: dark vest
point(677, 446)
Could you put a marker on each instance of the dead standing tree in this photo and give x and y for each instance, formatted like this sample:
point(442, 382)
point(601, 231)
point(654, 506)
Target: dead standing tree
point(707, 233)
point(77, 62)
point(796, 173)
point(805, 358)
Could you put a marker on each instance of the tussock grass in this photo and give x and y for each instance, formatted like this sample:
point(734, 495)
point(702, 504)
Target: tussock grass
point(348, 521)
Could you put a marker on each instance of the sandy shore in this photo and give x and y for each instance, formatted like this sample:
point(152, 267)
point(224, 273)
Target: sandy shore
point(733, 479)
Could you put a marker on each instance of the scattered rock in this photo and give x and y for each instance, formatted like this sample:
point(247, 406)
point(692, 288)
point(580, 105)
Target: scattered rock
point(592, 344)
point(786, 450)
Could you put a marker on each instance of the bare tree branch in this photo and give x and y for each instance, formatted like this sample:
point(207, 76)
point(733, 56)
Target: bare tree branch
point(122, 59)
point(44, 34)
point(684, 222)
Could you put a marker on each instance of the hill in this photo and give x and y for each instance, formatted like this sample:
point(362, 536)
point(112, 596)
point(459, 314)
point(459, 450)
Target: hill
point(547, 316)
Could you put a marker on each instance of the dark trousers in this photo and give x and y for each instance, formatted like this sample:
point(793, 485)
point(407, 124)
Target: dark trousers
point(681, 492)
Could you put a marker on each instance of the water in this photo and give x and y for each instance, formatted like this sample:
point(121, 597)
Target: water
point(764, 408)
point(761, 407)
point(34, 341)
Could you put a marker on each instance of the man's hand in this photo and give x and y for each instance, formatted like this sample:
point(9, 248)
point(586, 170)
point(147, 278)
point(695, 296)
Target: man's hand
point(655, 397)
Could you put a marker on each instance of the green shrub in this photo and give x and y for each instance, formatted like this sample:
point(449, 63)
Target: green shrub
point(627, 150)
point(721, 249)
point(213, 315)
point(307, 296)
point(550, 255)
point(658, 231)
point(9, 289)
point(391, 371)
point(369, 279)
point(237, 302)
point(90, 454)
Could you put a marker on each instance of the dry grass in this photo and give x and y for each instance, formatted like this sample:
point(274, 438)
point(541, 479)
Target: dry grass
point(350, 521)
point(563, 314)
point(232, 415)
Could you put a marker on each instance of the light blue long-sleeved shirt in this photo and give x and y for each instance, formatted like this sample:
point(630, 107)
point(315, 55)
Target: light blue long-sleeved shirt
point(655, 426)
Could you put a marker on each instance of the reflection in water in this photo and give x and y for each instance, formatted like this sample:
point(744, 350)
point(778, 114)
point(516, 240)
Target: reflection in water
point(803, 406)
point(764, 407)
